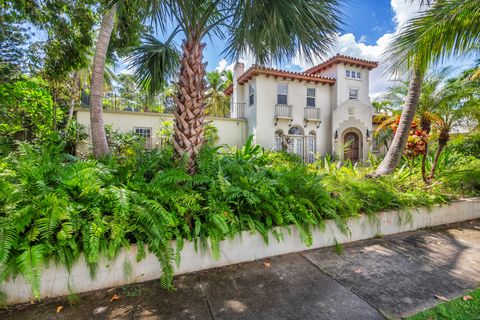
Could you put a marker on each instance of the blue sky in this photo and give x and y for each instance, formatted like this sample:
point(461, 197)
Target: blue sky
point(367, 20)
point(368, 27)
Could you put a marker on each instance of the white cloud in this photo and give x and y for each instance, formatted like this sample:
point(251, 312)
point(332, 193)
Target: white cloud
point(223, 65)
point(347, 44)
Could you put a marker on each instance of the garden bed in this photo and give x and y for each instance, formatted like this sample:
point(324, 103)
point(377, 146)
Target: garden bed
point(248, 246)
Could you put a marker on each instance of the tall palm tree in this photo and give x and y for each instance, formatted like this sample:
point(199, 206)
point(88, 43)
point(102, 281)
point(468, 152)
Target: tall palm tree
point(287, 28)
point(99, 138)
point(430, 98)
point(448, 28)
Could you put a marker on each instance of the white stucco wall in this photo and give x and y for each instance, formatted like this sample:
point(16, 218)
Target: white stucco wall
point(261, 116)
point(247, 246)
point(232, 132)
point(348, 113)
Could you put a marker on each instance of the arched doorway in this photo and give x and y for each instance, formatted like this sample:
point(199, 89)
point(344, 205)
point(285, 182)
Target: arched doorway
point(351, 142)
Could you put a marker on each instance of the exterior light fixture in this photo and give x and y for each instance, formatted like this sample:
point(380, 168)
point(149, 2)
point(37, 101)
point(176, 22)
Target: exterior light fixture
point(368, 135)
point(336, 135)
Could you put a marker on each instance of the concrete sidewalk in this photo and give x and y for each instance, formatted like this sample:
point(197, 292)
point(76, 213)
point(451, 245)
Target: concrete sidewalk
point(373, 279)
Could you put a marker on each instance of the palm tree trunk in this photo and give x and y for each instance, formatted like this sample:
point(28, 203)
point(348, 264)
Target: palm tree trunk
point(424, 163)
point(442, 142)
point(425, 125)
point(394, 154)
point(190, 111)
point(99, 139)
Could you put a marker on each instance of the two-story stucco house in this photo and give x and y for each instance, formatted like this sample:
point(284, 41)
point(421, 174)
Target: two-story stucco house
point(324, 110)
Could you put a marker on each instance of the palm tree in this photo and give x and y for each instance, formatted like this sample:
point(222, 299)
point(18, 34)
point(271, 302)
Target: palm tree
point(286, 29)
point(228, 76)
point(99, 138)
point(449, 28)
point(215, 97)
point(460, 99)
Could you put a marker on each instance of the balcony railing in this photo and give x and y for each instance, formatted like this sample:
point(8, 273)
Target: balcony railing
point(221, 110)
point(283, 111)
point(237, 110)
point(312, 114)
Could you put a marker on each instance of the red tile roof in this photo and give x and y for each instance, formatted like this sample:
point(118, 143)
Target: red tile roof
point(343, 59)
point(255, 70)
point(229, 90)
point(308, 75)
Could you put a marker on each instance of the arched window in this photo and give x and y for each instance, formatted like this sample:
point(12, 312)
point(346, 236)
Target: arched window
point(311, 146)
point(296, 141)
point(297, 131)
point(278, 140)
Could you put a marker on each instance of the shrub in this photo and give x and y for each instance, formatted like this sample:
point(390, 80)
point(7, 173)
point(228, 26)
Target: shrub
point(467, 144)
point(53, 206)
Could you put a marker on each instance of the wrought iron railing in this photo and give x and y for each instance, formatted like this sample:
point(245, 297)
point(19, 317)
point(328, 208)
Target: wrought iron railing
point(221, 110)
point(312, 114)
point(283, 111)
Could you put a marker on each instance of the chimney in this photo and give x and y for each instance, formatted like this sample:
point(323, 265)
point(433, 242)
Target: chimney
point(238, 70)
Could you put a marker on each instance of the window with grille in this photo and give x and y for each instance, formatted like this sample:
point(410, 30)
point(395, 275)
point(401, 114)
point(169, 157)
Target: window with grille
point(146, 133)
point(282, 93)
point(352, 74)
point(311, 97)
point(251, 94)
point(353, 94)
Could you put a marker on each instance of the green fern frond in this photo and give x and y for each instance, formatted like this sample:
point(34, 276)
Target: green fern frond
point(30, 263)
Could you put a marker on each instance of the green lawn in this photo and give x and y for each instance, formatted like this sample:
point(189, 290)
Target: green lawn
point(457, 309)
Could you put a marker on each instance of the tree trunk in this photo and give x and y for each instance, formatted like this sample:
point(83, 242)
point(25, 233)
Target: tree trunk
point(99, 139)
point(442, 142)
point(424, 163)
point(190, 111)
point(425, 125)
point(70, 111)
point(394, 154)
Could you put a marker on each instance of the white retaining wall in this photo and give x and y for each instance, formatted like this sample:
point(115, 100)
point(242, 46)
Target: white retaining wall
point(246, 247)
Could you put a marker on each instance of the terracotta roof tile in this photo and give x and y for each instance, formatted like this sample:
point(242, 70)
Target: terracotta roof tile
point(301, 76)
point(339, 58)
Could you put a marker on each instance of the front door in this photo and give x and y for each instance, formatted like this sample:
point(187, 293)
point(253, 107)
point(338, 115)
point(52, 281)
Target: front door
point(352, 144)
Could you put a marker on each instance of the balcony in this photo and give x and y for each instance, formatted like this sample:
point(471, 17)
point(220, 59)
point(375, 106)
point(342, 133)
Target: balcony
point(312, 114)
point(223, 109)
point(283, 111)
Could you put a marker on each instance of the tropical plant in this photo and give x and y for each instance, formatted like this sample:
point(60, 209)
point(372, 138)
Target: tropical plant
point(26, 110)
point(216, 100)
point(448, 28)
point(286, 30)
point(461, 100)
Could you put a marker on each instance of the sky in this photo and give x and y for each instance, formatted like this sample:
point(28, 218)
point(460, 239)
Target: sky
point(368, 27)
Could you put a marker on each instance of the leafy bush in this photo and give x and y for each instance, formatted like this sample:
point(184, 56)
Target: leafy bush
point(26, 110)
point(54, 206)
point(467, 144)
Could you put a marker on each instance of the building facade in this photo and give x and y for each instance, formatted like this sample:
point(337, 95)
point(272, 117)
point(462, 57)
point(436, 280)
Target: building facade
point(323, 110)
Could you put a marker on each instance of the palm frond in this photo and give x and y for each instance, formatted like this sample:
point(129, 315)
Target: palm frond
point(287, 28)
point(154, 63)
